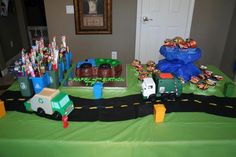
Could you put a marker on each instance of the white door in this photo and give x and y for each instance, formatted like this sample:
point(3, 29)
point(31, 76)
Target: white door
point(158, 20)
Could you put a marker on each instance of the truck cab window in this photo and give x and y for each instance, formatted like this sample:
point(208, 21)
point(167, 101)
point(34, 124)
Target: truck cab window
point(150, 87)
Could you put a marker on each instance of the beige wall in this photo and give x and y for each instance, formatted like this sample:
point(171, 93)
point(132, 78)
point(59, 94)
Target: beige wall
point(229, 56)
point(210, 25)
point(121, 40)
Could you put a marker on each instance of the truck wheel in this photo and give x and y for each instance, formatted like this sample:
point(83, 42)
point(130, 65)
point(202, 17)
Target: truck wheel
point(164, 97)
point(40, 112)
point(172, 96)
point(56, 115)
point(152, 98)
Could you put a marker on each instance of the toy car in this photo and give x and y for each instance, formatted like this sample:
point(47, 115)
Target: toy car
point(208, 73)
point(202, 67)
point(194, 80)
point(218, 77)
point(210, 82)
point(202, 85)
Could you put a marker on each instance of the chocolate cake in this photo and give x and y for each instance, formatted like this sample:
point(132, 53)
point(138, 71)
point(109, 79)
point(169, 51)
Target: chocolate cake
point(98, 67)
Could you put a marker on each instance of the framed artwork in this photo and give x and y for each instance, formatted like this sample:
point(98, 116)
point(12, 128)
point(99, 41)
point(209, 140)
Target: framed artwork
point(93, 16)
point(4, 7)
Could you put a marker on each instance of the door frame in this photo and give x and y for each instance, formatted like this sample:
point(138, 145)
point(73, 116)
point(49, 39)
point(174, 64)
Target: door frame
point(139, 23)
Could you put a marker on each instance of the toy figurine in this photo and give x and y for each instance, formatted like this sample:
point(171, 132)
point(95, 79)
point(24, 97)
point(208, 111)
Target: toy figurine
point(65, 121)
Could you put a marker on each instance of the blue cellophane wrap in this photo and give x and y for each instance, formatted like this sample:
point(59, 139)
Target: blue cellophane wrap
point(189, 55)
point(179, 62)
point(184, 71)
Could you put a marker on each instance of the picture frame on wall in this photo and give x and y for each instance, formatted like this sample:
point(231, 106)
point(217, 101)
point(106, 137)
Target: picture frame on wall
point(93, 16)
point(4, 7)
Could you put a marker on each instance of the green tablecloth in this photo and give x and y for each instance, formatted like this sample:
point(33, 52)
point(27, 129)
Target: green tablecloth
point(182, 134)
point(134, 87)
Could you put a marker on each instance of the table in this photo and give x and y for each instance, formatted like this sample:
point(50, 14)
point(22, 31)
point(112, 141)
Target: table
point(182, 134)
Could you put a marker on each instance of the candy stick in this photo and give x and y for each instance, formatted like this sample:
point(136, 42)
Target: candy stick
point(49, 66)
point(23, 55)
point(22, 71)
point(42, 42)
point(32, 57)
point(37, 45)
point(54, 44)
point(39, 72)
point(55, 59)
point(67, 49)
point(31, 70)
point(63, 40)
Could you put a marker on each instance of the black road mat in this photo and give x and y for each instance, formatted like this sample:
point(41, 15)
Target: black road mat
point(130, 107)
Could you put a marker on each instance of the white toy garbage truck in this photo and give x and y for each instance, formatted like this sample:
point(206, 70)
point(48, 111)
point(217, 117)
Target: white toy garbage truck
point(163, 85)
point(51, 102)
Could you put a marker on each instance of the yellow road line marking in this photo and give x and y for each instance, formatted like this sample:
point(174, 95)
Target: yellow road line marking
point(21, 99)
point(197, 101)
point(148, 102)
point(109, 107)
point(228, 106)
point(78, 108)
point(158, 100)
point(124, 106)
point(93, 108)
point(170, 100)
point(184, 100)
point(213, 104)
point(9, 99)
point(136, 103)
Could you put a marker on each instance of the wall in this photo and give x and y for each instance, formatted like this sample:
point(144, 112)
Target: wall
point(20, 11)
point(9, 31)
point(121, 40)
point(210, 25)
point(2, 60)
point(229, 56)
